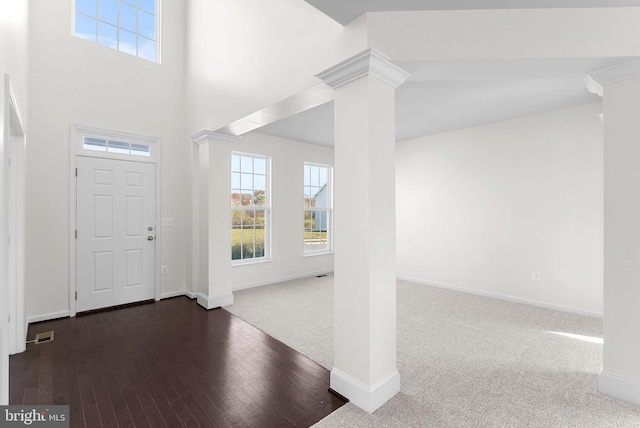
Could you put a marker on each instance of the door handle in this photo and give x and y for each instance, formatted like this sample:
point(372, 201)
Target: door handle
point(149, 238)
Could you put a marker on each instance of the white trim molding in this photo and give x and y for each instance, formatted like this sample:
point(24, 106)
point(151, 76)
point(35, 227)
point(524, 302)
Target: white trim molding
point(597, 79)
point(48, 317)
point(205, 136)
point(368, 398)
point(283, 279)
point(214, 302)
point(370, 62)
point(506, 297)
point(619, 387)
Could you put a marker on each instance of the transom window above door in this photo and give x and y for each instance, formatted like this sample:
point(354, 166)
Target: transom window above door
point(129, 26)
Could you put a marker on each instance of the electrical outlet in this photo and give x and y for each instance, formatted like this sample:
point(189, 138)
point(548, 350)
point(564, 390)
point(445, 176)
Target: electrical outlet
point(168, 222)
point(163, 270)
point(535, 275)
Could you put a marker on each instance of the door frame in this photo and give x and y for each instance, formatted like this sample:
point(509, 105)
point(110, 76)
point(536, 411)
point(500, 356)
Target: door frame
point(15, 256)
point(77, 132)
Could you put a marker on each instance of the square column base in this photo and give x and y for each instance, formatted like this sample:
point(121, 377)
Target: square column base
point(368, 398)
point(619, 387)
point(216, 301)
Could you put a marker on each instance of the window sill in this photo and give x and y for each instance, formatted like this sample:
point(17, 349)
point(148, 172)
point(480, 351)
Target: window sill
point(251, 262)
point(323, 253)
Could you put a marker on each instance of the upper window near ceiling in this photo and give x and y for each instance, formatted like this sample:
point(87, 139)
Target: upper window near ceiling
point(130, 26)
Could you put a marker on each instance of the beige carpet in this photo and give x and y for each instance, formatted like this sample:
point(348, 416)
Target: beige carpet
point(464, 360)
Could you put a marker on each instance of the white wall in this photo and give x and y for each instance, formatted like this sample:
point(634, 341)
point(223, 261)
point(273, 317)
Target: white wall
point(287, 204)
point(76, 81)
point(481, 208)
point(246, 55)
point(14, 62)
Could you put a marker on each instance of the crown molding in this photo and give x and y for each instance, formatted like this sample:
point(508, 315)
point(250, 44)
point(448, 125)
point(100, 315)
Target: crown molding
point(597, 79)
point(205, 136)
point(370, 62)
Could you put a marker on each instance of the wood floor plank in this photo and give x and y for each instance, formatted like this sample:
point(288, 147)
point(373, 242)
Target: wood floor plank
point(169, 364)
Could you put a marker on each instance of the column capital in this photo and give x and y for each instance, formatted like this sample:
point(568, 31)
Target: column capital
point(205, 136)
point(597, 79)
point(370, 62)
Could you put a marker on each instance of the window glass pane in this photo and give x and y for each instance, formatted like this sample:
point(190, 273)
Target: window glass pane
point(245, 199)
point(323, 176)
point(235, 197)
point(140, 149)
point(148, 5)
point(246, 181)
point(246, 164)
point(260, 221)
point(235, 180)
point(259, 198)
point(127, 17)
point(118, 147)
point(236, 242)
point(307, 175)
point(127, 42)
point(88, 7)
point(259, 166)
point(146, 48)
point(248, 243)
point(315, 176)
point(97, 144)
point(107, 35)
point(260, 182)
point(321, 198)
point(259, 242)
point(85, 27)
point(146, 25)
point(108, 11)
point(235, 163)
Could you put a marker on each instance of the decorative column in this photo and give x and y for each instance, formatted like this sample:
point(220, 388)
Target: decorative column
point(620, 87)
point(212, 230)
point(364, 217)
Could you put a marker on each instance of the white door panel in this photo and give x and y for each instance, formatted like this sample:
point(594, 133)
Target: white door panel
point(115, 210)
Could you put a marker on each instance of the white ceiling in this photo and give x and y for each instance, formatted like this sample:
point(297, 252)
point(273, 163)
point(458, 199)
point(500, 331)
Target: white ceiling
point(442, 96)
point(345, 11)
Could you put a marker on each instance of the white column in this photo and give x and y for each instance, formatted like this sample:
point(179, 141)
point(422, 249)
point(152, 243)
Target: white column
point(620, 376)
point(212, 233)
point(364, 217)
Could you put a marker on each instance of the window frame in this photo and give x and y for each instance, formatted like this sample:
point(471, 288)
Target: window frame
point(96, 40)
point(266, 257)
point(328, 210)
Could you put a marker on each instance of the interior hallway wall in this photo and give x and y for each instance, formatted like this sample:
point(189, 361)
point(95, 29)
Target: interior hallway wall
point(482, 208)
point(76, 81)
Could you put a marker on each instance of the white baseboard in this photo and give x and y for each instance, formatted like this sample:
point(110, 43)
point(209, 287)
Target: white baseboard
point(191, 294)
point(173, 294)
point(214, 302)
point(619, 387)
point(504, 297)
point(282, 279)
point(47, 317)
point(368, 398)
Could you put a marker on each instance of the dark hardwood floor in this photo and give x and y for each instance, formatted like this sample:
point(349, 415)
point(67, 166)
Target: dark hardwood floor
point(170, 364)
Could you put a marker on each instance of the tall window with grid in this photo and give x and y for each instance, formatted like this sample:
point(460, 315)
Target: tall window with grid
point(317, 209)
point(250, 207)
point(126, 25)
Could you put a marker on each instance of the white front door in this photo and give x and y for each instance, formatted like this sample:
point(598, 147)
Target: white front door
point(115, 232)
